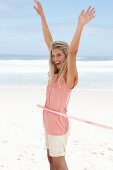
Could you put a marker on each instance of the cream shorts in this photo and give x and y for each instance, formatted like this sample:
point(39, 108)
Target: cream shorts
point(56, 144)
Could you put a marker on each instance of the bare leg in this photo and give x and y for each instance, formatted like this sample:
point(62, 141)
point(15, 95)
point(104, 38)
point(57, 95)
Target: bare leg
point(50, 161)
point(60, 163)
point(52, 166)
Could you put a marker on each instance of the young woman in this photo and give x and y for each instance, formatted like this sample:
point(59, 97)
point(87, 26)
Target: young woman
point(63, 77)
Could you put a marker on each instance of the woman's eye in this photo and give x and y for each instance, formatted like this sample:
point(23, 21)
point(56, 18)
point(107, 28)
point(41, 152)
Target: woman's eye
point(57, 55)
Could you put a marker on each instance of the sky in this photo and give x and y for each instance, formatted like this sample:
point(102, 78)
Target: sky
point(21, 30)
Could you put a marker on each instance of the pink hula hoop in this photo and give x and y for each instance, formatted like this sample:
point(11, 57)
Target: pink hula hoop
point(75, 118)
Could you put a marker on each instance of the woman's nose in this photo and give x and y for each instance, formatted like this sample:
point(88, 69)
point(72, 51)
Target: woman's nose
point(55, 58)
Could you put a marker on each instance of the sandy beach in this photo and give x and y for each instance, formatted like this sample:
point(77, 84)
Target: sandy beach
point(22, 142)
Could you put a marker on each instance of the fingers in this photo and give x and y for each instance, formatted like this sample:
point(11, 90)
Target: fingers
point(82, 12)
point(34, 6)
point(92, 17)
point(93, 13)
point(37, 2)
point(37, 5)
point(88, 10)
point(90, 13)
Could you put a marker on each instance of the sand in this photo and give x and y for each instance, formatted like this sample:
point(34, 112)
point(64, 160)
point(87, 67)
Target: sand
point(22, 142)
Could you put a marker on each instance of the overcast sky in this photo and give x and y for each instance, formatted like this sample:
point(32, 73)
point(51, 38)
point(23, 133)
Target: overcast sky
point(21, 31)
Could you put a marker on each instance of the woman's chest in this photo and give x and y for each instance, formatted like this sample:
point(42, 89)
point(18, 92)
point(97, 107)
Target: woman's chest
point(58, 95)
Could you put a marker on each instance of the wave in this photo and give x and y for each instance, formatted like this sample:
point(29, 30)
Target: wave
point(42, 66)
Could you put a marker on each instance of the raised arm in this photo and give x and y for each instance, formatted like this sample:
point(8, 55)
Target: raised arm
point(47, 35)
point(82, 20)
point(73, 48)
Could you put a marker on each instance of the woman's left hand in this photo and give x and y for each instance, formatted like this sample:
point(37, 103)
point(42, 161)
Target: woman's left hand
point(87, 16)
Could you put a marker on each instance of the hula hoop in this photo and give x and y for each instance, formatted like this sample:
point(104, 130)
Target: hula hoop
point(75, 118)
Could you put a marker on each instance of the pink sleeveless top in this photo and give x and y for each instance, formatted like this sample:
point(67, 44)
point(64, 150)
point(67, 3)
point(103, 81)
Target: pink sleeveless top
point(57, 99)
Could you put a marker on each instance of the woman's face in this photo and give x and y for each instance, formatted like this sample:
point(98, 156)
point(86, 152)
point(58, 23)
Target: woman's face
point(58, 57)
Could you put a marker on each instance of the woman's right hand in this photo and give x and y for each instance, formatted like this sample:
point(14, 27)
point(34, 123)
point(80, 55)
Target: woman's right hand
point(39, 10)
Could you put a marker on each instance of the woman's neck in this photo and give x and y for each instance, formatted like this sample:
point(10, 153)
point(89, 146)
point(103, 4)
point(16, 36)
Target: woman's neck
point(57, 71)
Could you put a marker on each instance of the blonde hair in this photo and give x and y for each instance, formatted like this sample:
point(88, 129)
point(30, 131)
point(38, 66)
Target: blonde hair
point(61, 45)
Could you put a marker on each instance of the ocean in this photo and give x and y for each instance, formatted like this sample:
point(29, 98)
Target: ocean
point(31, 71)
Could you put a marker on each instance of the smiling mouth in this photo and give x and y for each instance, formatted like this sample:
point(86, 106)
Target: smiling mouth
point(58, 63)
